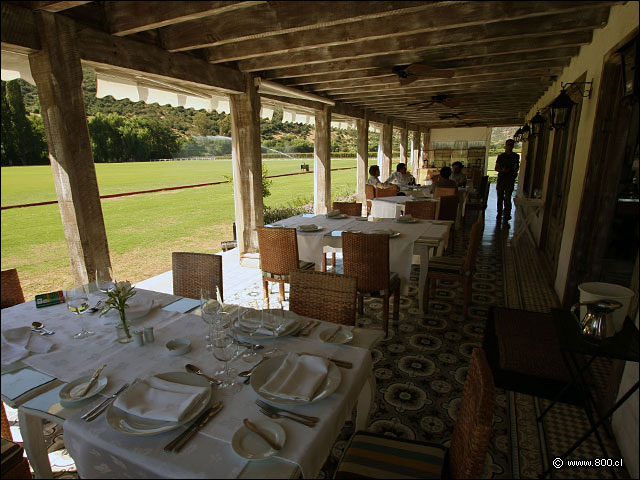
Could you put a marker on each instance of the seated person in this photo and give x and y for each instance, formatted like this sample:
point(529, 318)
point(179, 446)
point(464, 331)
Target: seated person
point(401, 177)
point(444, 180)
point(374, 181)
point(457, 175)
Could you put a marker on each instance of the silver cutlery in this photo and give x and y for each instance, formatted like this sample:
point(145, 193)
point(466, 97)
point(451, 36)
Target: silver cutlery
point(193, 369)
point(272, 443)
point(177, 443)
point(308, 332)
point(277, 415)
point(333, 335)
point(300, 332)
point(39, 327)
point(270, 408)
point(247, 373)
point(251, 345)
point(92, 381)
point(96, 307)
point(98, 409)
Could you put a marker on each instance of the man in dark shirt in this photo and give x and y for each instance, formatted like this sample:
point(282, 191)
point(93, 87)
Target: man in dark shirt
point(444, 181)
point(507, 166)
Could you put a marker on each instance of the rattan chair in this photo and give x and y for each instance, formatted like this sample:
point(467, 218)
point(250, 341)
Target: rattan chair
point(11, 289)
point(479, 203)
point(370, 194)
point(421, 209)
point(455, 268)
point(278, 257)
point(195, 271)
point(325, 296)
point(391, 191)
point(14, 464)
point(448, 210)
point(374, 455)
point(445, 191)
point(349, 208)
point(366, 257)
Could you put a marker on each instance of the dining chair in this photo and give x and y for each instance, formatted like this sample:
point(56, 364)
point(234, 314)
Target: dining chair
point(14, 464)
point(369, 193)
point(448, 210)
point(324, 296)
point(479, 203)
point(421, 209)
point(278, 257)
point(459, 269)
point(349, 208)
point(194, 271)
point(374, 455)
point(391, 191)
point(445, 191)
point(366, 257)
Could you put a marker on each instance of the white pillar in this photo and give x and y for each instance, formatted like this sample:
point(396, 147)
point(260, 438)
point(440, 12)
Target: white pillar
point(322, 162)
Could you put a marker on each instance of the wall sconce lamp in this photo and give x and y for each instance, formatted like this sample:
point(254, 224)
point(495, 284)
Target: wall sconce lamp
point(517, 137)
point(561, 109)
point(537, 122)
point(629, 70)
point(526, 130)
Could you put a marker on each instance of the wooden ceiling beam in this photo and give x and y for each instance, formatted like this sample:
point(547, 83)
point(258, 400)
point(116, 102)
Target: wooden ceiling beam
point(473, 56)
point(54, 7)
point(127, 17)
point(553, 33)
point(276, 19)
point(437, 17)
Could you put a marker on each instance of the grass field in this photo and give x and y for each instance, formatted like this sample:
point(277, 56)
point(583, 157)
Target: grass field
point(142, 230)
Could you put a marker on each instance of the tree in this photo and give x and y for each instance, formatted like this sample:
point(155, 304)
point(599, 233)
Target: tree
point(204, 125)
point(224, 124)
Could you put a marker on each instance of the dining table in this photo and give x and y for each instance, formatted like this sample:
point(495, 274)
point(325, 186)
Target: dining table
point(422, 238)
point(102, 449)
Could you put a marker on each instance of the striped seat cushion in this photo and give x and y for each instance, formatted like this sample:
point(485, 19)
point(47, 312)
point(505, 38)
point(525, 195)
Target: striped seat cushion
point(370, 455)
point(285, 278)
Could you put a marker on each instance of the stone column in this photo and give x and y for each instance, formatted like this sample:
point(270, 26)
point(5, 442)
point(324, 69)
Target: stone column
point(386, 135)
point(57, 72)
point(247, 170)
point(426, 140)
point(322, 162)
point(415, 154)
point(404, 140)
point(363, 159)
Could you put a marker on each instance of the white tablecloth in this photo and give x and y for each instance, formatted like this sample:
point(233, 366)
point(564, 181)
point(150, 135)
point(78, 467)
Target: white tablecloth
point(393, 207)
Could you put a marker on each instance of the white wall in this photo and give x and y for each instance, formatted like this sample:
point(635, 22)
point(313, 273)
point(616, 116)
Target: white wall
point(459, 134)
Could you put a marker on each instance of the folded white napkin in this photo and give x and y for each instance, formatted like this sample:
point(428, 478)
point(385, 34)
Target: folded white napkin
point(333, 213)
point(159, 399)
point(298, 377)
point(18, 343)
point(384, 231)
point(405, 218)
point(308, 227)
point(268, 320)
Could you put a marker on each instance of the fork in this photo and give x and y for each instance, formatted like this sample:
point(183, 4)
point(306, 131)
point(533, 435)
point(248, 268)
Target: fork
point(277, 415)
point(272, 409)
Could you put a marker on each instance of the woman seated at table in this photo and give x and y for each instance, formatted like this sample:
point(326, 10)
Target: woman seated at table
point(444, 180)
point(374, 181)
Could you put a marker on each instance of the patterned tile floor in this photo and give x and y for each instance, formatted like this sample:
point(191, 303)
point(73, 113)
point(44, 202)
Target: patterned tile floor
point(421, 367)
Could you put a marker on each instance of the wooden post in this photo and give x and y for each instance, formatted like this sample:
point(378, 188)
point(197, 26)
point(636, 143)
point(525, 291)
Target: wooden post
point(363, 159)
point(386, 135)
point(57, 72)
point(404, 139)
point(322, 162)
point(415, 155)
point(426, 140)
point(247, 170)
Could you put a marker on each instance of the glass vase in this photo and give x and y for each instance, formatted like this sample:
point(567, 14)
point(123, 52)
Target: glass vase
point(124, 336)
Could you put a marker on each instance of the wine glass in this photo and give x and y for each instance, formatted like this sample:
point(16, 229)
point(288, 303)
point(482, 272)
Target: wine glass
point(251, 322)
point(275, 324)
point(210, 309)
point(104, 279)
point(224, 349)
point(77, 300)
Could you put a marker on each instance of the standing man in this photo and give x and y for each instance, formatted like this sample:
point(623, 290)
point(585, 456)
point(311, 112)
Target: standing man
point(507, 166)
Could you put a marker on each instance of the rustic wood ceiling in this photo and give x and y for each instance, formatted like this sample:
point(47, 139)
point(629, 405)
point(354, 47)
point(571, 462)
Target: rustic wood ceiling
point(500, 56)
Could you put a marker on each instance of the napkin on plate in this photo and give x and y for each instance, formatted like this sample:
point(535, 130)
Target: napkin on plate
point(405, 218)
point(298, 377)
point(18, 343)
point(268, 319)
point(381, 231)
point(333, 213)
point(159, 399)
point(307, 227)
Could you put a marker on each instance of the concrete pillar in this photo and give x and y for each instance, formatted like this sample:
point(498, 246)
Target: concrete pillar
point(363, 159)
point(322, 162)
point(386, 135)
point(415, 155)
point(247, 170)
point(426, 140)
point(57, 72)
point(404, 139)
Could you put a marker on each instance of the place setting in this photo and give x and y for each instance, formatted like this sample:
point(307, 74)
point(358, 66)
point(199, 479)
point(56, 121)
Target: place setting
point(82, 389)
point(336, 215)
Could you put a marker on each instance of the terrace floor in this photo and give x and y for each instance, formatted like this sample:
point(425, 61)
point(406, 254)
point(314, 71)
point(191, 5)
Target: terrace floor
point(420, 368)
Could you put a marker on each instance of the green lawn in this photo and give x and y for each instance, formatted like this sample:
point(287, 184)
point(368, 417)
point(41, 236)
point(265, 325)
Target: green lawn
point(142, 230)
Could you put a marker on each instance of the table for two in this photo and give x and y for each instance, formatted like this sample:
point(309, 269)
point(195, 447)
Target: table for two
point(101, 451)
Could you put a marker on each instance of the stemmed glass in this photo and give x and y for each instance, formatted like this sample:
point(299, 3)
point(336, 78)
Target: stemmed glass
point(277, 320)
point(77, 300)
point(251, 322)
point(224, 349)
point(210, 309)
point(104, 279)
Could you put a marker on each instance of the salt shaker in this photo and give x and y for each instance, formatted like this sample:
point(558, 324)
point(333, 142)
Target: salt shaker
point(137, 337)
point(148, 334)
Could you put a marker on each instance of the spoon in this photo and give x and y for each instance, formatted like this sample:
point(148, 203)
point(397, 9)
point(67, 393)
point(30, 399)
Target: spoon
point(39, 326)
point(247, 373)
point(263, 435)
point(193, 369)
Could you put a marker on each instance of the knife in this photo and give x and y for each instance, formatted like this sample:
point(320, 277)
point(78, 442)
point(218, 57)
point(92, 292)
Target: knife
point(97, 410)
point(301, 331)
point(308, 332)
point(333, 335)
point(181, 440)
point(92, 381)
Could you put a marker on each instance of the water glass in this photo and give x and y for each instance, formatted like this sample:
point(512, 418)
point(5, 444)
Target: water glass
point(210, 309)
point(224, 349)
point(275, 324)
point(104, 279)
point(251, 322)
point(77, 300)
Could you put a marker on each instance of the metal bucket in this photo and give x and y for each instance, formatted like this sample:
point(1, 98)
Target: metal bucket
point(592, 291)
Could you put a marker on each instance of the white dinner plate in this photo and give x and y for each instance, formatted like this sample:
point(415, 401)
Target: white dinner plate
point(294, 327)
point(317, 229)
point(362, 219)
point(139, 306)
point(249, 445)
point(70, 393)
point(263, 372)
point(344, 335)
point(392, 234)
point(129, 424)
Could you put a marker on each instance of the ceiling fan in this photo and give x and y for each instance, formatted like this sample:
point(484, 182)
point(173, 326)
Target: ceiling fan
point(442, 99)
point(457, 116)
point(410, 73)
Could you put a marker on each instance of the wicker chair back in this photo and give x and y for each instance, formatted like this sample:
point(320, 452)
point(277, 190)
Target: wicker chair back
point(424, 210)
point(195, 271)
point(349, 208)
point(448, 208)
point(391, 191)
point(366, 257)
point(325, 296)
point(278, 250)
point(445, 191)
point(11, 289)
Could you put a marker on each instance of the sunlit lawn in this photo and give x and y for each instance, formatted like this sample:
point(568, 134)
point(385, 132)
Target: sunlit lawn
point(142, 230)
